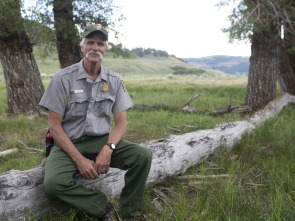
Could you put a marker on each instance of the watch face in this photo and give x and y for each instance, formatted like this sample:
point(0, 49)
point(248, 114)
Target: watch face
point(113, 146)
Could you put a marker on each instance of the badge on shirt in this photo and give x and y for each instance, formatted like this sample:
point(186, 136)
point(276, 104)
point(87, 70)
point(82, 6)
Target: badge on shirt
point(105, 88)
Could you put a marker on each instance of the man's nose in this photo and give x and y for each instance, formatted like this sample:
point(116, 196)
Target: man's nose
point(95, 47)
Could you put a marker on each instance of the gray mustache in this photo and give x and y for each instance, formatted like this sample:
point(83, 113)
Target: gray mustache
point(94, 52)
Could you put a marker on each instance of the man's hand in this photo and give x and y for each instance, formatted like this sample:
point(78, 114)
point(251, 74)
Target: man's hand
point(86, 169)
point(103, 160)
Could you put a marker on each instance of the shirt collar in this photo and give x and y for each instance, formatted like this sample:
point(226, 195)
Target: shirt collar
point(102, 74)
point(81, 71)
point(82, 74)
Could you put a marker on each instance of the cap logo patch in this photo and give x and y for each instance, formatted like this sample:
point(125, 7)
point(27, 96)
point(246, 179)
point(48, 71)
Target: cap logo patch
point(97, 26)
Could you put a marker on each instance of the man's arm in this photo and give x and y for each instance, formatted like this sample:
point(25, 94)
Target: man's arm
point(103, 159)
point(84, 165)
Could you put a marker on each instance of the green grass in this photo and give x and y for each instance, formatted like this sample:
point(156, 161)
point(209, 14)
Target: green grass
point(157, 123)
point(177, 95)
point(261, 185)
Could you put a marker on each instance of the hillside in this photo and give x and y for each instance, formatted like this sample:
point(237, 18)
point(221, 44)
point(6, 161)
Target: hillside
point(157, 65)
point(136, 66)
point(228, 64)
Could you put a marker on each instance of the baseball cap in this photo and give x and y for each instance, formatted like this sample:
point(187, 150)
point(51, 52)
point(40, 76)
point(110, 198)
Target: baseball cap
point(95, 27)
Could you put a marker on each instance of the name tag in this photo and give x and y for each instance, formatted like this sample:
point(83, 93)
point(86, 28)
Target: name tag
point(78, 91)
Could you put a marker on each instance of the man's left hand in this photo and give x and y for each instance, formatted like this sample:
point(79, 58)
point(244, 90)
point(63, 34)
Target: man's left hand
point(103, 160)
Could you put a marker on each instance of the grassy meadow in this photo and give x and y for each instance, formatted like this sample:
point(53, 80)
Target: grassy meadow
point(260, 170)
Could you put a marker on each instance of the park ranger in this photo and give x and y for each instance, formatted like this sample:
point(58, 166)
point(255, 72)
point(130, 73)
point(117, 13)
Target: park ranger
point(80, 100)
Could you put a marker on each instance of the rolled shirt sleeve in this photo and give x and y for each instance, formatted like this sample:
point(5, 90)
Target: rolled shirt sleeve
point(123, 100)
point(55, 97)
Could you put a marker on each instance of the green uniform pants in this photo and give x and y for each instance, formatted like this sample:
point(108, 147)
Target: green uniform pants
point(60, 174)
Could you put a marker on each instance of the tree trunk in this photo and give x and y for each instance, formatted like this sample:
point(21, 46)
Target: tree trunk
point(22, 193)
point(22, 77)
point(287, 74)
point(66, 34)
point(263, 70)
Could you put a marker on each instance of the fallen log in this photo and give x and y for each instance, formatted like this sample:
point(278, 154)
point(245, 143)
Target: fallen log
point(21, 192)
point(7, 152)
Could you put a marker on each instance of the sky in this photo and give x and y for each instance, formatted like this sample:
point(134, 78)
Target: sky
point(184, 28)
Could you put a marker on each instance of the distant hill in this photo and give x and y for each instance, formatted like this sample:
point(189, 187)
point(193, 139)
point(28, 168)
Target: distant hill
point(158, 65)
point(146, 65)
point(228, 64)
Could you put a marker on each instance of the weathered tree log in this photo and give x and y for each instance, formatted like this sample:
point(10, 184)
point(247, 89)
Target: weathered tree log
point(7, 152)
point(21, 192)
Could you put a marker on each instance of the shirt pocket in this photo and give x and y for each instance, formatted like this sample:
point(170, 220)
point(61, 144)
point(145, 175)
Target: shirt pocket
point(103, 105)
point(79, 105)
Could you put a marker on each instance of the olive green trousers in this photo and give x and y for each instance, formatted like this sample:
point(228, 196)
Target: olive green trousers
point(60, 174)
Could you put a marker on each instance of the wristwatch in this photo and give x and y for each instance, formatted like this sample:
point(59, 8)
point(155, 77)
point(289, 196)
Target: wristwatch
point(112, 146)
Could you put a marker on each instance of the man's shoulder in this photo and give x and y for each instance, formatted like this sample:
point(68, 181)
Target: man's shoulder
point(67, 70)
point(111, 74)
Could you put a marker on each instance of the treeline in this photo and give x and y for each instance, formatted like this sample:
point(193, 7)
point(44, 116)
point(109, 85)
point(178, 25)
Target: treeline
point(119, 50)
point(179, 70)
point(142, 52)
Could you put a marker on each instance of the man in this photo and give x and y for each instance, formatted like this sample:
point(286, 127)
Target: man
point(80, 100)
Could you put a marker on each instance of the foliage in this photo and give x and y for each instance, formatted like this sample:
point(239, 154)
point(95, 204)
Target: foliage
point(141, 52)
point(84, 11)
point(119, 51)
point(182, 70)
point(42, 27)
point(10, 18)
point(251, 16)
point(42, 37)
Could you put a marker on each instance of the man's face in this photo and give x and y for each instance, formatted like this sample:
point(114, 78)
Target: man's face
point(95, 48)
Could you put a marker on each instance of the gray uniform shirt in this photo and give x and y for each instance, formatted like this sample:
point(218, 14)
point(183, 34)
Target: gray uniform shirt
point(86, 106)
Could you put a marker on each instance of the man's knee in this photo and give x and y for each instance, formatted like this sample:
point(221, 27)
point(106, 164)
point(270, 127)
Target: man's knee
point(50, 186)
point(145, 156)
point(54, 186)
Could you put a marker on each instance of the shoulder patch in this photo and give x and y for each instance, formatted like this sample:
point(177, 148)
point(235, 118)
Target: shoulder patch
point(123, 86)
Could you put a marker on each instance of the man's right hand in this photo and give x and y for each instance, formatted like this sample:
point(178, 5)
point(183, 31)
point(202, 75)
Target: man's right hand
point(84, 165)
point(86, 169)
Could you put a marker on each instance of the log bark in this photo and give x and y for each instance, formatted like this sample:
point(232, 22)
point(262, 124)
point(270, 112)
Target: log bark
point(21, 192)
point(7, 152)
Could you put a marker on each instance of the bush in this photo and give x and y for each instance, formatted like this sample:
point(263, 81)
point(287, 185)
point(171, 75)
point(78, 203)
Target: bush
point(178, 70)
